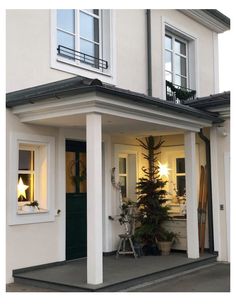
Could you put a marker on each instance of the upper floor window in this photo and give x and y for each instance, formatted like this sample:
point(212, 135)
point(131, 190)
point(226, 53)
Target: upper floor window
point(179, 67)
point(80, 37)
point(176, 60)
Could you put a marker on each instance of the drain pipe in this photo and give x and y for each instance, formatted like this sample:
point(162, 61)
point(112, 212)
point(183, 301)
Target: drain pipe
point(149, 53)
point(210, 210)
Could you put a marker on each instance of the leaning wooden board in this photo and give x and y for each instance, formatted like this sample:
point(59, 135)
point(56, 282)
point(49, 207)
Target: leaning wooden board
point(203, 195)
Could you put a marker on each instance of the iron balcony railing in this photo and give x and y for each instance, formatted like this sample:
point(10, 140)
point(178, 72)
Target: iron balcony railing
point(177, 93)
point(82, 57)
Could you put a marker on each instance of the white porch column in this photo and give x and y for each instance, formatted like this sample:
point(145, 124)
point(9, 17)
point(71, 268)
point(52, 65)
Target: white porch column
point(94, 199)
point(191, 195)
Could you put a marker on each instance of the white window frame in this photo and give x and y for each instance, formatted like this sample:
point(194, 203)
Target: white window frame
point(126, 174)
point(44, 165)
point(174, 53)
point(168, 156)
point(99, 17)
point(170, 25)
point(34, 171)
point(129, 150)
point(176, 174)
point(106, 33)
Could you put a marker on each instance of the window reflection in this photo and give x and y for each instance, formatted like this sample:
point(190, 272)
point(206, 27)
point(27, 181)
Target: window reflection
point(89, 27)
point(66, 20)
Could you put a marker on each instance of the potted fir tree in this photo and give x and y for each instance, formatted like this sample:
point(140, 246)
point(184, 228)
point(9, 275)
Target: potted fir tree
point(152, 198)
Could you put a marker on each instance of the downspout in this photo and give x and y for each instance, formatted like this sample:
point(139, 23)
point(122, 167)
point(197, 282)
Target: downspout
point(209, 209)
point(149, 53)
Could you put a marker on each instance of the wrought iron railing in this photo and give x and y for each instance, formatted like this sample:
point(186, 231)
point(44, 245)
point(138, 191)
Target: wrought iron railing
point(82, 57)
point(177, 93)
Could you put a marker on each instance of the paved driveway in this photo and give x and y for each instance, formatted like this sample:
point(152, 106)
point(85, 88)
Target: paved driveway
point(214, 278)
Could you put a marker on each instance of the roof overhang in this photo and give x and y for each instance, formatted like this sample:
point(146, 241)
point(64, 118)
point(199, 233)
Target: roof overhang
point(216, 103)
point(70, 99)
point(211, 18)
point(96, 101)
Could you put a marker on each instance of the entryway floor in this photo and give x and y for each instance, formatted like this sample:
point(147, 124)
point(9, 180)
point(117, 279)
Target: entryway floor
point(119, 273)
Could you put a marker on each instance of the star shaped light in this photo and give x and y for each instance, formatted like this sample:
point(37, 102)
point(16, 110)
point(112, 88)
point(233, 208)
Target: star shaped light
point(21, 188)
point(163, 169)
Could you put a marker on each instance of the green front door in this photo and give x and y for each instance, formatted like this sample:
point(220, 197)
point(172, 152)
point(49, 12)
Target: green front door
point(76, 200)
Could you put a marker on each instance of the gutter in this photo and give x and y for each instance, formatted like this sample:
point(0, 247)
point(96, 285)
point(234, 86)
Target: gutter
point(209, 209)
point(149, 53)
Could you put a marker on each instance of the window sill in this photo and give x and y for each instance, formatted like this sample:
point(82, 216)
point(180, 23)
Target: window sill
point(32, 211)
point(82, 66)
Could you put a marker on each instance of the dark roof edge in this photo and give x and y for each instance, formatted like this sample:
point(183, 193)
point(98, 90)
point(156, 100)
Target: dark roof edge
point(156, 102)
point(48, 90)
point(80, 85)
point(219, 16)
point(219, 99)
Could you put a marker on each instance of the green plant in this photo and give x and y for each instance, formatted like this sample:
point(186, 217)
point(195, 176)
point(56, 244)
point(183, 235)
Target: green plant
point(166, 236)
point(33, 204)
point(181, 93)
point(152, 196)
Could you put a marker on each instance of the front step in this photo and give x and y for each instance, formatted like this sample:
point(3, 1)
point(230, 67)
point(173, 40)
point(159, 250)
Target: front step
point(23, 278)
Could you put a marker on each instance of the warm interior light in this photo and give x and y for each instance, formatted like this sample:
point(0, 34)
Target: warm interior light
point(21, 188)
point(163, 169)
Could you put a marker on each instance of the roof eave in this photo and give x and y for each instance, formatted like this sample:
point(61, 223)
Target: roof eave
point(212, 19)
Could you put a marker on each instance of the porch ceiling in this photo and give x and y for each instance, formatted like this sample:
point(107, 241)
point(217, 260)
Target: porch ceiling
point(111, 125)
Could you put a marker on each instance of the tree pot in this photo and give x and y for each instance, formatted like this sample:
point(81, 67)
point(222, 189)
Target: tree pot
point(164, 247)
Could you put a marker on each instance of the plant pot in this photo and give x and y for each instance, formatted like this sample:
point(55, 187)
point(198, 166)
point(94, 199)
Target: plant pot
point(164, 247)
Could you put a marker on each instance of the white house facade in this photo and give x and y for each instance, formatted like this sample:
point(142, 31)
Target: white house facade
point(82, 85)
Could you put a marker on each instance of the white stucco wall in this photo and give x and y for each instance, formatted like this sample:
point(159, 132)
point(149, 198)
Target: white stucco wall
point(220, 151)
point(28, 50)
point(30, 244)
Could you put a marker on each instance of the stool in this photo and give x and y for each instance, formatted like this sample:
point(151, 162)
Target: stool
point(127, 237)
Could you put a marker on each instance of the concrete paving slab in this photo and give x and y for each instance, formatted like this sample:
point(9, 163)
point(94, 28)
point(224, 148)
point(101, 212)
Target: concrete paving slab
point(125, 270)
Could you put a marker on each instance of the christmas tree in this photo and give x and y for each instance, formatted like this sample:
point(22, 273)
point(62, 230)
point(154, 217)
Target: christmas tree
point(151, 196)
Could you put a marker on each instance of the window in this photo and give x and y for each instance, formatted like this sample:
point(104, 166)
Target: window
point(76, 172)
point(26, 175)
point(123, 174)
point(176, 60)
point(81, 38)
point(31, 179)
point(89, 34)
point(180, 176)
point(174, 157)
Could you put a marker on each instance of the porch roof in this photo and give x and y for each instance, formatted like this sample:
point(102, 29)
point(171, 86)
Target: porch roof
point(76, 86)
point(211, 101)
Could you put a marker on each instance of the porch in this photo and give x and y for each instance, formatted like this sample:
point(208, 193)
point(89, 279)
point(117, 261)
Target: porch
point(107, 119)
point(119, 274)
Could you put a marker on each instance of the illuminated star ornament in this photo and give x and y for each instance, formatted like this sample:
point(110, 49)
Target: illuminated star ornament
point(163, 169)
point(21, 188)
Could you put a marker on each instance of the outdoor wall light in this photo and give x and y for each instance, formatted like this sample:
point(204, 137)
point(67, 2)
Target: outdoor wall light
point(222, 130)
